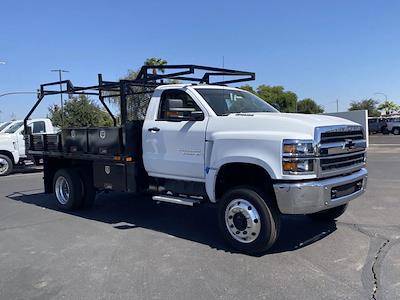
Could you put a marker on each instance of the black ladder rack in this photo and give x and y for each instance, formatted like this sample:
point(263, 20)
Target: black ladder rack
point(147, 79)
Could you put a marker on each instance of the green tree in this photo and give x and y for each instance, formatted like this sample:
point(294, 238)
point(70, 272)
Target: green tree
point(80, 112)
point(309, 106)
point(137, 104)
point(367, 104)
point(286, 100)
point(389, 107)
point(248, 88)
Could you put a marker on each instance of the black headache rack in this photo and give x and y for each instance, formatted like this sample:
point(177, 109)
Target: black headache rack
point(125, 140)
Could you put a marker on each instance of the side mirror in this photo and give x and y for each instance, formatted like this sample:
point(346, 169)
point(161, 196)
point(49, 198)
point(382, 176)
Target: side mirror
point(177, 112)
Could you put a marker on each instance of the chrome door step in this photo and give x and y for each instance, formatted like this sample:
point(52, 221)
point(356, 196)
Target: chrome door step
point(176, 200)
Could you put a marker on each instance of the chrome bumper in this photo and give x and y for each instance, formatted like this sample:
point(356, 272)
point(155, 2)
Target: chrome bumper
point(313, 196)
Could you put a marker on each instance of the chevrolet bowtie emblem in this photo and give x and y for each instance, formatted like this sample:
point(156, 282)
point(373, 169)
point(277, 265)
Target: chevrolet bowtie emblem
point(349, 144)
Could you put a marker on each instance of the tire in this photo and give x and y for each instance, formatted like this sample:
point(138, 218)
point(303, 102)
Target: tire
point(6, 165)
point(384, 130)
point(396, 131)
point(236, 208)
point(68, 189)
point(329, 214)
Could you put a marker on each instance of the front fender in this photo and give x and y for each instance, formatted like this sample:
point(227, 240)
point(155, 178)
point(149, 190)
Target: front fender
point(212, 173)
point(262, 152)
point(7, 147)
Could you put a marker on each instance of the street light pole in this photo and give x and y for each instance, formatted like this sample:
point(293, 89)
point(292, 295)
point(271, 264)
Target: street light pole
point(60, 71)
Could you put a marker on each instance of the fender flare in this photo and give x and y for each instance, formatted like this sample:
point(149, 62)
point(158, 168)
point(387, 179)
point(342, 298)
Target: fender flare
point(212, 173)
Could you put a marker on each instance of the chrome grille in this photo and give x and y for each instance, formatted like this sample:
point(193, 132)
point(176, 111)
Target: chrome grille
point(340, 149)
point(332, 137)
point(342, 161)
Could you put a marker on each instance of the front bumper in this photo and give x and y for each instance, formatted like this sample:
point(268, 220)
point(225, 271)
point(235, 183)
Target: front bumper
point(313, 196)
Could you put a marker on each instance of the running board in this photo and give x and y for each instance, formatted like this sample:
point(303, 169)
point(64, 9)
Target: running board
point(176, 200)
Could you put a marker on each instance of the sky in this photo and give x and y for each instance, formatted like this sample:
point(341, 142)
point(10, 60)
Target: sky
point(325, 50)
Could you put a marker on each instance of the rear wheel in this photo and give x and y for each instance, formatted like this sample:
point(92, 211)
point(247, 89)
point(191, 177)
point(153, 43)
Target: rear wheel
point(68, 189)
point(6, 165)
point(329, 214)
point(396, 131)
point(248, 220)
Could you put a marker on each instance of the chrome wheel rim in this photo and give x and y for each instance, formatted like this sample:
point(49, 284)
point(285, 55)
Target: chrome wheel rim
point(3, 166)
point(62, 190)
point(242, 221)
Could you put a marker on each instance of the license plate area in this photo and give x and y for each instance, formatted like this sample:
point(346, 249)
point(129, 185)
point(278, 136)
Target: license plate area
point(346, 189)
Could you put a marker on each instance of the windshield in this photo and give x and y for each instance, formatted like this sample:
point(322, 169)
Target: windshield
point(227, 101)
point(4, 125)
point(13, 128)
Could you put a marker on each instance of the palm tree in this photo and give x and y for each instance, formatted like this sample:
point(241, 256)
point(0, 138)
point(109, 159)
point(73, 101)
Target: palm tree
point(154, 61)
point(389, 107)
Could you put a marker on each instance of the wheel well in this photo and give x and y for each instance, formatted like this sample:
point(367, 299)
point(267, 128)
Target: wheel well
point(8, 154)
point(52, 164)
point(235, 174)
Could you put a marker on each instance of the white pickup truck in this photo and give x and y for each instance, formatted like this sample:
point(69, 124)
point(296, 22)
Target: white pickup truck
point(12, 143)
point(209, 143)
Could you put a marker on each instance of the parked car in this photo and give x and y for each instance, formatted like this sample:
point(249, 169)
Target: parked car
point(377, 125)
point(393, 125)
point(207, 143)
point(12, 144)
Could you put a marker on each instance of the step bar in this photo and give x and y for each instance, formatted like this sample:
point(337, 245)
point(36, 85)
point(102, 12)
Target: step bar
point(176, 200)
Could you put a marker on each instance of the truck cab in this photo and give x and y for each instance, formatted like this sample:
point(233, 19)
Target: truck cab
point(210, 143)
point(12, 143)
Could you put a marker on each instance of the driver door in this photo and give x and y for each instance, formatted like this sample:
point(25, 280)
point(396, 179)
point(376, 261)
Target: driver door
point(173, 141)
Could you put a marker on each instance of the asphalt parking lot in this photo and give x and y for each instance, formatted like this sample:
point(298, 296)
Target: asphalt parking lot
point(130, 247)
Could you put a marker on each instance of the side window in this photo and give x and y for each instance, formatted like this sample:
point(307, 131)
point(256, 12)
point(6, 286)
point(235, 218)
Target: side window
point(176, 104)
point(38, 127)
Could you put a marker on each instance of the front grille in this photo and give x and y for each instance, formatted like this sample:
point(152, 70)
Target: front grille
point(341, 149)
point(332, 137)
point(333, 163)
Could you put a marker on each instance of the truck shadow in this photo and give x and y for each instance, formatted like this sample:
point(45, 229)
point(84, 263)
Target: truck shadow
point(198, 224)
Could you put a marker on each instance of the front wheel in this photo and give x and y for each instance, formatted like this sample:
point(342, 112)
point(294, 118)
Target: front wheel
point(329, 214)
point(248, 220)
point(6, 165)
point(396, 131)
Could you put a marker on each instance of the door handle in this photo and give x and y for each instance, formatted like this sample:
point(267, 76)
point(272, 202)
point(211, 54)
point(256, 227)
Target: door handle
point(154, 129)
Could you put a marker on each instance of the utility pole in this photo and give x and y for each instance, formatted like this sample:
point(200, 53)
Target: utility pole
point(337, 105)
point(60, 71)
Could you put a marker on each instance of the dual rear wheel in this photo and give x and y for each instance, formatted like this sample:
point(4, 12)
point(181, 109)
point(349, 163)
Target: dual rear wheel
point(73, 190)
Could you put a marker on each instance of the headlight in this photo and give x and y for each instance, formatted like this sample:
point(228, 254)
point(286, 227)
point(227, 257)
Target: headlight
point(298, 157)
point(298, 148)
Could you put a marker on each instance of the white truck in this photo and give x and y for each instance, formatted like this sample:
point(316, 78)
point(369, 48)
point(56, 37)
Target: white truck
point(393, 125)
point(12, 143)
point(4, 126)
point(209, 143)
